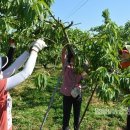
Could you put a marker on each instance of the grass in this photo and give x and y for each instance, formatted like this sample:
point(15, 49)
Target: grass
point(30, 105)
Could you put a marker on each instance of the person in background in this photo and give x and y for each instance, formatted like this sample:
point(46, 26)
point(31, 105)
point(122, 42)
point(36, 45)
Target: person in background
point(9, 81)
point(71, 88)
point(124, 57)
point(10, 54)
point(125, 62)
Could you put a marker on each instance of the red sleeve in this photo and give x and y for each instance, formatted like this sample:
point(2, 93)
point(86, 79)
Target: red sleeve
point(124, 65)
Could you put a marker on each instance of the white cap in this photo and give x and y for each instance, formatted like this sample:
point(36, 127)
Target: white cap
point(128, 48)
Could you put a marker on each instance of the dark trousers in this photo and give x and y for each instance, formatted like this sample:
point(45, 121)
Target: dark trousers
point(68, 102)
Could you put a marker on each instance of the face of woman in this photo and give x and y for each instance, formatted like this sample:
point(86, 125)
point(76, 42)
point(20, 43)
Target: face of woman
point(125, 56)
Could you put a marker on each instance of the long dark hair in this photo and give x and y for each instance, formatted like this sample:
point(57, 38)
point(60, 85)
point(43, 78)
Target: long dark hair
point(70, 54)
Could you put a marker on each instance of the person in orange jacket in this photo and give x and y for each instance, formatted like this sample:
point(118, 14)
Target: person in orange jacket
point(125, 58)
point(125, 62)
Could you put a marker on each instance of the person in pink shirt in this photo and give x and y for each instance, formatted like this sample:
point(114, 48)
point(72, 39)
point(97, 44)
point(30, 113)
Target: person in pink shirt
point(8, 81)
point(70, 88)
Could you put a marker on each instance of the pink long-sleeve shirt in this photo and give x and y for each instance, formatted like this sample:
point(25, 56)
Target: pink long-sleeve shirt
point(70, 80)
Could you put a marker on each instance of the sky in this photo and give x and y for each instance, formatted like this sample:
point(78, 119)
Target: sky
point(88, 13)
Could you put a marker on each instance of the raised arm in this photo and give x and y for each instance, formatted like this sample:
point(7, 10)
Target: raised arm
point(64, 56)
point(13, 81)
point(16, 65)
point(24, 74)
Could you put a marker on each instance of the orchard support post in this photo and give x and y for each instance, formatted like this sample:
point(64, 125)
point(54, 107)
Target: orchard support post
point(87, 106)
point(50, 104)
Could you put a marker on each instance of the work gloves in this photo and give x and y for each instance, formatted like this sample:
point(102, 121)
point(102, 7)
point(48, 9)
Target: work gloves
point(38, 45)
